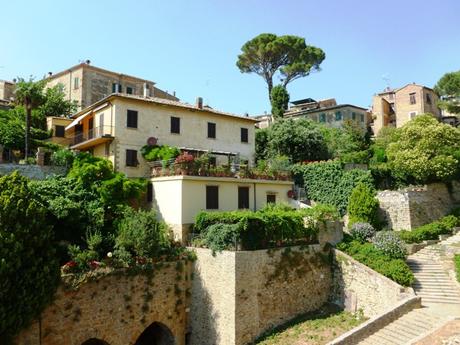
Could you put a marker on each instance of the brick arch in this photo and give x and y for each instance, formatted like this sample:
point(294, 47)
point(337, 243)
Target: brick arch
point(95, 341)
point(156, 334)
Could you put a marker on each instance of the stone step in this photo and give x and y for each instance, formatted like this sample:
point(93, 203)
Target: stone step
point(439, 301)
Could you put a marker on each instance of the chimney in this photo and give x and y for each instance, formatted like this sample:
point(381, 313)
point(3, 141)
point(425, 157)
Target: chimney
point(174, 93)
point(50, 74)
point(88, 61)
point(146, 90)
point(199, 103)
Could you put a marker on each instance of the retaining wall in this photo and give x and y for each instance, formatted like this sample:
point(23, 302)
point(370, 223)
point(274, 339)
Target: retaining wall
point(35, 172)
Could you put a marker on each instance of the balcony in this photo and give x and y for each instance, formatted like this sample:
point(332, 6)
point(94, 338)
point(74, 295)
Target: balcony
point(92, 137)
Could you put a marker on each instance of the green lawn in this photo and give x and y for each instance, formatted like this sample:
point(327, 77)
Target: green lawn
point(315, 328)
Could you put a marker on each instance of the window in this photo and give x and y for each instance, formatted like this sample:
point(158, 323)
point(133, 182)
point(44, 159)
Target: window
point(353, 116)
point(129, 90)
point(131, 119)
point(116, 87)
point(362, 117)
point(322, 117)
point(212, 161)
point(428, 98)
point(244, 135)
point(412, 99)
point(212, 197)
point(338, 116)
point(271, 198)
point(211, 130)
point(243, 197)
point(175, 125)
point(131, 158)
point(76, 83)
point(149, 192)
point(412, 114)
point(59, 131)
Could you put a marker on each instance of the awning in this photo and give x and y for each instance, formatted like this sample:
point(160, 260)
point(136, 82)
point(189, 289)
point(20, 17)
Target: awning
point(215, 152)
point(81, 117)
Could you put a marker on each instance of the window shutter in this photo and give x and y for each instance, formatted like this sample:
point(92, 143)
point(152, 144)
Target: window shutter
point(244, 135)
point(243, 197)
point(175, 125)
point(212, 197)
point(59, 131)
point(131, 158)
point(114, 87)
point(131, 119)
point(211, 130)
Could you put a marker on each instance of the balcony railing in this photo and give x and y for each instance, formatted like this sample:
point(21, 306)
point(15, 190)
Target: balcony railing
point(94, 133)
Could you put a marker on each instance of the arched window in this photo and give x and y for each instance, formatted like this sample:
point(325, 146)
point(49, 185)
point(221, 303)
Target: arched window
point(156, 334)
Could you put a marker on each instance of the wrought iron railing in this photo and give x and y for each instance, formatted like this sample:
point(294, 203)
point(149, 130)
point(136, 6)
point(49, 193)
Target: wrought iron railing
point(93, 133)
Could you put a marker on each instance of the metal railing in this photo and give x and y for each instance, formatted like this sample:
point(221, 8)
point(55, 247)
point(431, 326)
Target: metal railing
point(93, 133)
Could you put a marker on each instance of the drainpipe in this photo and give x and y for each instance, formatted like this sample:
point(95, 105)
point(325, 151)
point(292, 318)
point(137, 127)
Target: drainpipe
point(255, 199)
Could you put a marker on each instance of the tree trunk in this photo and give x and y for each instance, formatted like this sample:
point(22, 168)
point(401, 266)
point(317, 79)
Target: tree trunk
point(270, 87)
point(28, 120)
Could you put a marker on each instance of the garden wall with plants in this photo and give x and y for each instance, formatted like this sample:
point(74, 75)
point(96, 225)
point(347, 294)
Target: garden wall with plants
point(356, 286)
point(115, 307)
point(237, 296)
point(408, 208)
point(34, 172)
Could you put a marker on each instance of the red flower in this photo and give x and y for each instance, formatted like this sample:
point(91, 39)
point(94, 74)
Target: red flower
point(93, 264)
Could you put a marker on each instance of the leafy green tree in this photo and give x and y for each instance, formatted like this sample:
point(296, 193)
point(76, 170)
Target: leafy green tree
point(448, 88)
point(280, 100)
point(363, 206)
point(300, 140)
point(425, 150)
point(29, 269)
point(267, 54)
point(11, 130)
point(30, 95)
point(261, 143)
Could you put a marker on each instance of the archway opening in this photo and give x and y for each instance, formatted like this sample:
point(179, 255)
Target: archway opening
point(94, 341)
point(156, 334)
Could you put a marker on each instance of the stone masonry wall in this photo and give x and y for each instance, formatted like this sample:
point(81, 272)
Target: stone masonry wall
point(115, 309)
point(412, 207)
point(34, 172)
point(236, 296)
point(356, 286)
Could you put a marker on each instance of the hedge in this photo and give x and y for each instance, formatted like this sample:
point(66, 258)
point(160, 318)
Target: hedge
point(430, 231)
point(366, 253)
point(329, 183)
point(269, 227)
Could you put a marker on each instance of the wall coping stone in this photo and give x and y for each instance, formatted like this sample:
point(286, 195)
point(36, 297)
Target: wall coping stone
point(372, 325)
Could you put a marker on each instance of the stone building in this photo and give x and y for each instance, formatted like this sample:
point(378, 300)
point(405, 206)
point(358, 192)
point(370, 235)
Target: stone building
point(396, 107)
point(87, 84)
point(6, 93)
point(325, 111)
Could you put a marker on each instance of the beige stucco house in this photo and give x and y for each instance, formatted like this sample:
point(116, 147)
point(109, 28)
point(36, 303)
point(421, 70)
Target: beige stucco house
point(6, 93)
point(119, 125)
point(396, 107)
point(178, 199)
point(87, 84)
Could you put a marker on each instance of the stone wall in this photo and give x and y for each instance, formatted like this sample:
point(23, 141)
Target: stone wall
point(116, 309)
point(236, 296)
point(35, 172)
point(356, 286)
point(409, 208)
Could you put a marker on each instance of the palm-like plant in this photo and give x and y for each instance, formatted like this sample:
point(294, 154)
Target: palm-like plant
point(30, 95)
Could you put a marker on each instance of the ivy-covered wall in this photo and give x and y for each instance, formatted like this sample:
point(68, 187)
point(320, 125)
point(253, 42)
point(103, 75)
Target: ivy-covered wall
point(115, 308)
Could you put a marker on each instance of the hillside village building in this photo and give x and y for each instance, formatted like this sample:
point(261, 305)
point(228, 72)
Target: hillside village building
point(87, 84)
point(325, 111)
point(118, 126)
point(396, 107)
point(6, 93)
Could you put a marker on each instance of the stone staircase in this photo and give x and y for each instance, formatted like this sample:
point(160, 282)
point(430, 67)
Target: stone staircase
point(440, 297)
point(405, 329)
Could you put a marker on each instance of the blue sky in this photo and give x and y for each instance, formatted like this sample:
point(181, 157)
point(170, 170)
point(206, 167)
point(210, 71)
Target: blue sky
point(191, 46)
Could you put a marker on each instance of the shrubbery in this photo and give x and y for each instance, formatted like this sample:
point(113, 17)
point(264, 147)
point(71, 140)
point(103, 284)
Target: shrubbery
point(362, 232)
point(430, 231)
point(457, 265)
point(389, 243)
point(29, 269)
point(329, 183)
point(367, 254)
point(159, 152)
point(270, 227)
point(363, 205)
point(62, 157)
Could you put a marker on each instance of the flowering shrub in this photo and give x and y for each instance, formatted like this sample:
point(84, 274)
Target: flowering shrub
point(362, 232)
point(184, 157)
point(390, 244)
